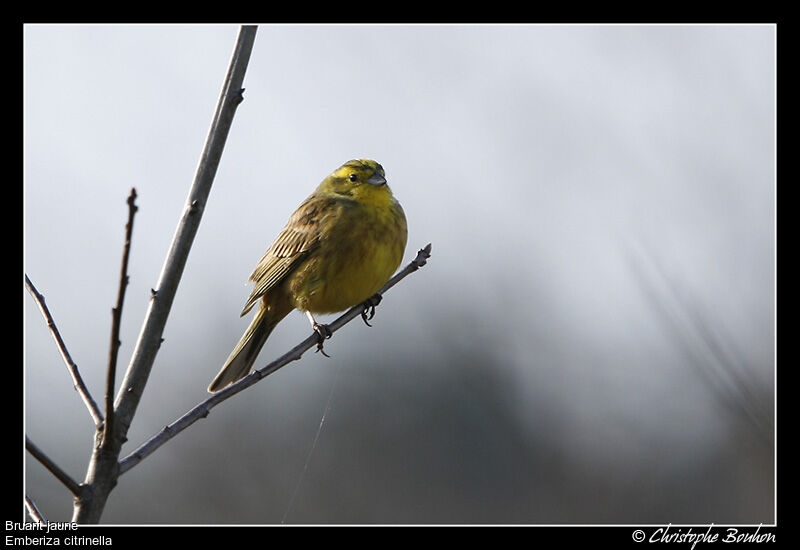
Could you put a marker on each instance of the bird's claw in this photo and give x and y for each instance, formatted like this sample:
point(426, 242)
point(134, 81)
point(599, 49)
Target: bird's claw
point(369, 308)
point(323, 333)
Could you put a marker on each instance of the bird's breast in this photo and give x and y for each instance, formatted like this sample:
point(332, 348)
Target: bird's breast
point(355, 258)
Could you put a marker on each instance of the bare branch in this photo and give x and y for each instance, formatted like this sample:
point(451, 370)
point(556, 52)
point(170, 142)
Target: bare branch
point(202, 409)
point(103, 467)
point(77, 381)
point(34, 512)
point(150, 338)
point(54, 468)
point(116, 317)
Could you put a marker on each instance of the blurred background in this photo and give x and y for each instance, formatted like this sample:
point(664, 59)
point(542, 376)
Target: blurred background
point(591, 342)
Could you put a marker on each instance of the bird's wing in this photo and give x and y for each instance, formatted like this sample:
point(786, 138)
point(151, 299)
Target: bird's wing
point(290, 248)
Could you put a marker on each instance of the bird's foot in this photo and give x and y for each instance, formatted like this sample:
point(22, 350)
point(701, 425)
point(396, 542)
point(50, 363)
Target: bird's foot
point(323, 333)
point(369, 308)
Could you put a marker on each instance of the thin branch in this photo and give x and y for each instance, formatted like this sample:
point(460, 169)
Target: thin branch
point(77, 381)
point(116, 317)
point(103, 471)
point(34, 512)
point(202, 409)
point(54, 468)
point(149, 340)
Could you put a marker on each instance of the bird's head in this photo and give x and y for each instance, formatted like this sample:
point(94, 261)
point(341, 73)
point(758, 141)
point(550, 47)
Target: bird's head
point(359, 179)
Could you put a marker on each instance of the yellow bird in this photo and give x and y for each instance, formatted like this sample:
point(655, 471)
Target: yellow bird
point(337, 250)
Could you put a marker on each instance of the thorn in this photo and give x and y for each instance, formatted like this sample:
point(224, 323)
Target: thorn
point(238, 96)
point(153, 293)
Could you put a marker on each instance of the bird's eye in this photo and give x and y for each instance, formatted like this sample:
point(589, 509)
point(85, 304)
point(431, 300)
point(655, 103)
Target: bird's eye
point(353, 177)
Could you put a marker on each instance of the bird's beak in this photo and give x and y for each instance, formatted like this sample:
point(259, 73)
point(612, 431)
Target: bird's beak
point(376, 179)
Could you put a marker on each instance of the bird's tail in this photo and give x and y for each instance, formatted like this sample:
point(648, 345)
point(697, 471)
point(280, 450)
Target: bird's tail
point(241, 359)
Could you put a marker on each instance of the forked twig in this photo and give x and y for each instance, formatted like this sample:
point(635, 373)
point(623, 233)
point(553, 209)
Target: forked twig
point(102, 472)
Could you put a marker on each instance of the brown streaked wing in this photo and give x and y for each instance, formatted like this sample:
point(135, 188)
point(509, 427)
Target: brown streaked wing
point(294, 242)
